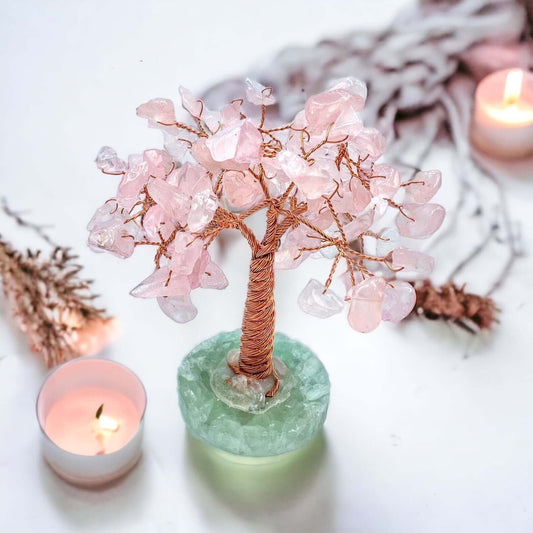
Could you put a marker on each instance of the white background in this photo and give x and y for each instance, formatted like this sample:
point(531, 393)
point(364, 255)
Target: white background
point(419, 438)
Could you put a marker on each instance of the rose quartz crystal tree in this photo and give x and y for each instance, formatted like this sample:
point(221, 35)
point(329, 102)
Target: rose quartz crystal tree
point(319, 184)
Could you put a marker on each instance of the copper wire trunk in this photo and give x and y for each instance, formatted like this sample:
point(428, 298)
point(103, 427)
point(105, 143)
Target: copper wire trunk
point(258, 325)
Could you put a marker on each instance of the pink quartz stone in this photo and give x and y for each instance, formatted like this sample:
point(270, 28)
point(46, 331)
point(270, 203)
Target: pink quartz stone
point(366, 301)
point(311, 180)
point(231, 114)
point(203, 156)
point(135, 177)
point(425, 185)
point(370, 142)
point(186, 250)
point(156, 221)
point(346, 279)
point(241, 189)
point(240, 143)
point(412, 261)
point(175, 204)
point(192, 179)
point(162, 283)
point(158, 110)
point(348, 124)
point(212, 277)
point(258, 94)
point(203, 207)
point(314, 301)
point(108, 231)
point(389, 241)
point(159, 162)
point(385, 180)
point(322, 110)
point(399, 300)
point(355, 87)
point(191, 103)
point(108, 161)
point(427, 219)
point(178, 308)
point(113, 239)
point(358, 225)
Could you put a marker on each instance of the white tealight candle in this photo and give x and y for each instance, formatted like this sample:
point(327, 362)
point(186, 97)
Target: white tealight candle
point(91, 415)
point(503, 118)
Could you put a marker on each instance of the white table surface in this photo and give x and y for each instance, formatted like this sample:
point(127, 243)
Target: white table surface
point(418, 437)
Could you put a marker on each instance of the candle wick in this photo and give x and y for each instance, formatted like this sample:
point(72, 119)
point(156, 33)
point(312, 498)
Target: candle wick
point(510, 100)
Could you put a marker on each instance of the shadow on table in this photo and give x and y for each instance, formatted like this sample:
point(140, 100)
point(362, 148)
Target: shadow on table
point(293, 493)
point(115, 504)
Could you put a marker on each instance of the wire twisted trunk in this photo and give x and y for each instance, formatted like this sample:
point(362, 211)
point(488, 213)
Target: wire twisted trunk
point(258, 325)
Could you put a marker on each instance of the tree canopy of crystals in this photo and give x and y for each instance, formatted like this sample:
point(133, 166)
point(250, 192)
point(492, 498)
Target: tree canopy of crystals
point(318, 179)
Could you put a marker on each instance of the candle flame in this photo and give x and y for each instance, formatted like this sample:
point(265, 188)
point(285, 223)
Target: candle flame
point(513, 87)
point(107, 423)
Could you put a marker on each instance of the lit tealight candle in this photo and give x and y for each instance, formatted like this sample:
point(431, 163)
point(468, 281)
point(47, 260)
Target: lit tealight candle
point(503, 116)
point(91, 413)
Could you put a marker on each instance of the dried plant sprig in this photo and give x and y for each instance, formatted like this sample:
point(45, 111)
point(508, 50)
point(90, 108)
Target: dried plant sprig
point(51, 304)
point(452, 303)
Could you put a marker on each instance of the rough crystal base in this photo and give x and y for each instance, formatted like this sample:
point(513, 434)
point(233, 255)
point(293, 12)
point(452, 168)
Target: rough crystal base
point(249, 394)
point(283, 428)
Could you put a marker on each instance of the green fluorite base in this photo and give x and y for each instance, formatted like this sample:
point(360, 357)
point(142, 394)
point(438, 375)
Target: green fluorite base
point(284, 428)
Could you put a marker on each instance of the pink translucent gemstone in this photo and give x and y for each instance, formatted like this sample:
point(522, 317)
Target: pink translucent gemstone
point(312, 181)
point(109, 233)
point(370, 142)
point(313, 301)
point(358, 225)
point(231, 114)
point(159, 162)
point(202, 154)
point(104, 216)
point(172, 201)
point(258, 94)
point(212, 119)
point(113, 239)
point(178, 308)
point(191, 179)
point(203, 207)
point(191, 103)
point(249, 148)
point(412, 261)
point(185, 251)
point(399, 300)
point(355, 87)
point(322, 110)
point(385, 180)
point(156, 221)
point(212, 277)
point(427, 219)
point(425, 185)
point(240, 143)
point(346, 279)
point(241, 189)
point(348, 123)
point(135, 177)
point(158, 110)
point(366, 301)
point(162, 283)
point(108, 161)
